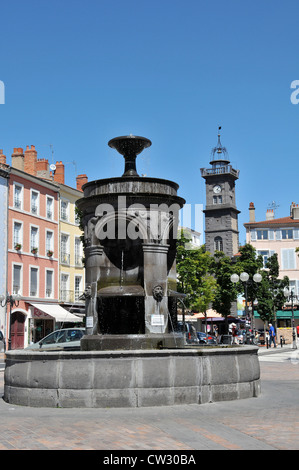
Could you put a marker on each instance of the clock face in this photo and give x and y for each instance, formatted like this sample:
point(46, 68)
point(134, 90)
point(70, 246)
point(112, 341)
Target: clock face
point(217, 189)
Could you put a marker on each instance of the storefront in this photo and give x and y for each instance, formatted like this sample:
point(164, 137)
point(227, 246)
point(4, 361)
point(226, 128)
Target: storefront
point(45, 318)
point(283, 324)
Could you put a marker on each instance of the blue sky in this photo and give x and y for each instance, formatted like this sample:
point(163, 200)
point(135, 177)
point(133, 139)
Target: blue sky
point(78, 73)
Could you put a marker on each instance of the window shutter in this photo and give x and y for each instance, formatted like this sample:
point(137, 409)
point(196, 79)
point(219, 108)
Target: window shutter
point(296, 234)
point(292, 261)
point(278, 234)
point(253, 234)
point(288, 258)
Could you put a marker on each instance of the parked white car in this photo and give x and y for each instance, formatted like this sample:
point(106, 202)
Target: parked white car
point(64, 339)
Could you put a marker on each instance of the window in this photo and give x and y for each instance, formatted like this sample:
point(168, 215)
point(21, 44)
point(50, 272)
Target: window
point(78, 252)
point(18, 196)
point(286, 234)
point(293, 286)
point(217, 199)
point(34, 202)
point(77, 217)
point(288, 259)
point(64, 210)
point(262, 234)
point(64, 287)
point(49, 283)
point(78, 290)
point(265, 254)
point(17, 235)
point(34, 242)
point(49, 243)
point(17, 279)
point(50, 208)
point(218, 244)
point(33, 282)
point(64, 249)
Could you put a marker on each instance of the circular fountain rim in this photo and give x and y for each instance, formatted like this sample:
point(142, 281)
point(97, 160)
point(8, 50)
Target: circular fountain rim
point(121, 179)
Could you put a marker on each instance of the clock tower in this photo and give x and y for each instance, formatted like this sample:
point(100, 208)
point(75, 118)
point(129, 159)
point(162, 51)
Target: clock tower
point(221, 213)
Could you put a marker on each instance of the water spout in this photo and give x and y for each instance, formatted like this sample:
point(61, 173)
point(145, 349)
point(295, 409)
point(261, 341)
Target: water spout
point(122, 269)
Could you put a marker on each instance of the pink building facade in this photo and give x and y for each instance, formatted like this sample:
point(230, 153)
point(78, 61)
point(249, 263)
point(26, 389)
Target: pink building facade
point(32, 268)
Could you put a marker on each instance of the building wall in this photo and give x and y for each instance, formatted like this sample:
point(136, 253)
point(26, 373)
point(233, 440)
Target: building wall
point(28, 216)
point(285, 248)
point(71, 265)
point(3, 246)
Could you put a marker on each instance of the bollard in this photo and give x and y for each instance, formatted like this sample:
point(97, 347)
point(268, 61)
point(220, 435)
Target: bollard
point(267, 342)
point(281, 340)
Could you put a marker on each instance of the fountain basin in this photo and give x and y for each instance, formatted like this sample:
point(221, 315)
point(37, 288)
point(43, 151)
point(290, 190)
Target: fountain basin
point(136, 378)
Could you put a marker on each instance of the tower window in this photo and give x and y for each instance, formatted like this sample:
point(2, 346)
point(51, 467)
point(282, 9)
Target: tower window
point(217, 199)
point(218, 244)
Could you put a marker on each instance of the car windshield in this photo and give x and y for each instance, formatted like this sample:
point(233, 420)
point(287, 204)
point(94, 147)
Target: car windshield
point(63, 336)
point(56, 337)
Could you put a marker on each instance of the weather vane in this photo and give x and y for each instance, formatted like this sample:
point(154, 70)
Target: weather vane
point(219, 148)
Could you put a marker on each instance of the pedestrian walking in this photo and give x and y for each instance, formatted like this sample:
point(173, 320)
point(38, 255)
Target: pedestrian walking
point(235, 333)
point(271, 335)
point(297, 327)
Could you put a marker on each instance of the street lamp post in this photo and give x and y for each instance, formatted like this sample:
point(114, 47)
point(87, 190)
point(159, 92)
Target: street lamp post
point(244, 278)
point(290, 294)
point(12, 300)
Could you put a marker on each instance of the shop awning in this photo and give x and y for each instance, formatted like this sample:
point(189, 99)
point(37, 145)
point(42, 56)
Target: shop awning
point(55, 311)
point(282, 314)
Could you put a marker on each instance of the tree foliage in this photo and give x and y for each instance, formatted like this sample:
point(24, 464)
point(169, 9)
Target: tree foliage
point(194, 274)
point(226, 292)
point(270, 293)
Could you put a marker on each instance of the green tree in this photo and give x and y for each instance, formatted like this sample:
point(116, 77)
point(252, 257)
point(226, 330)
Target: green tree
point(226, 292)
point(270, 292)
point(252, 264)
point(193, 271)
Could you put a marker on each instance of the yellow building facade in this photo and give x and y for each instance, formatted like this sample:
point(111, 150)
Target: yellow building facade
point(72, 272)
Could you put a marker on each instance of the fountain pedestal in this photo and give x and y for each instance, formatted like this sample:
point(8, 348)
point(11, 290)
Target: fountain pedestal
point(130, 230)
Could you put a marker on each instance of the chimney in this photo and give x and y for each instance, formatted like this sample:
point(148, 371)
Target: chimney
point(2, 157)
point(81, 180)
point(251, 212)
point(59, 173)
point(17, 158)
point(270, 214)
point(30, 160)
point(294, 211)
point(42, 168)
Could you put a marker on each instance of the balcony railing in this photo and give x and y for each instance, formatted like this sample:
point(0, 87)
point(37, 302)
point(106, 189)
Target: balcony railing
point(65, 258)
point(78, 261)
point(220, 171)
point(70, 296)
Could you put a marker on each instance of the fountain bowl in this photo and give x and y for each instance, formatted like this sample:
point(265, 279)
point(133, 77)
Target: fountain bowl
point(130, 145)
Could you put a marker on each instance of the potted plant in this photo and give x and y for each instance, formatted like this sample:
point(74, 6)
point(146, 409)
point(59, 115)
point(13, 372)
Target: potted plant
point(49, 253)
point(18, 246)
point(34, 250)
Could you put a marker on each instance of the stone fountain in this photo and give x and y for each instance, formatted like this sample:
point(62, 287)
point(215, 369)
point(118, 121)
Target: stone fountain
point(131, 355)
point(130, 226)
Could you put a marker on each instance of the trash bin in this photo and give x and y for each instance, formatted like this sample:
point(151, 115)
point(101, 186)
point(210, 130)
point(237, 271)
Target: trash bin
point(227, 339)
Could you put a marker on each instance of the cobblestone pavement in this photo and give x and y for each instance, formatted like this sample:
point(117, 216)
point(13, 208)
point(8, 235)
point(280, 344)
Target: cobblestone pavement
point(270, 421)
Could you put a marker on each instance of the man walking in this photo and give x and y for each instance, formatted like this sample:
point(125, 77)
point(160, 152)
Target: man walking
point(272, 335)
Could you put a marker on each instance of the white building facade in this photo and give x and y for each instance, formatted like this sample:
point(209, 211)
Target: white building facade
point(280, 236)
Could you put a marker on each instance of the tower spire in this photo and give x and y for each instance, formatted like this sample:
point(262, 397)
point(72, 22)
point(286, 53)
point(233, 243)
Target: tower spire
point(220, 150)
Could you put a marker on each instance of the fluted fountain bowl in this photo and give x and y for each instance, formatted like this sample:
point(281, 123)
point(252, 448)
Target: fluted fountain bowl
point(129, 145)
